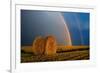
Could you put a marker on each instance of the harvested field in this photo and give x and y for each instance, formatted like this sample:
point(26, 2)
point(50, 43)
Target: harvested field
point(61, 55)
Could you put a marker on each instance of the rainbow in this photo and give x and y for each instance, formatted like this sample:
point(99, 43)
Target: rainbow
point(67, 35)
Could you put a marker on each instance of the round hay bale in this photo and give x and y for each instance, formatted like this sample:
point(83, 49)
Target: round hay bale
point(38, 46)
point(51, 45)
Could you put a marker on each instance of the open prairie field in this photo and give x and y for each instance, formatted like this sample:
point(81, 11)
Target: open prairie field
point(64, 53)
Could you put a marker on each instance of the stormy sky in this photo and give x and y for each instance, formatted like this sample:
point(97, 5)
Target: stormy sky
point(42, 23)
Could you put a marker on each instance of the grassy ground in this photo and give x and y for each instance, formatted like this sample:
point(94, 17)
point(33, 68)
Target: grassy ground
point(78, 54)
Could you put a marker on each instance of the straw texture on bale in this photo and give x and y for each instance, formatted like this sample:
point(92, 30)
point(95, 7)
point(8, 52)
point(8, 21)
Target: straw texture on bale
point(38, 46)
point(51, 45)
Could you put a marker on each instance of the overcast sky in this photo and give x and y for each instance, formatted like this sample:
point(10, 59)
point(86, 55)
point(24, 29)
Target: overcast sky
point(43, 23)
